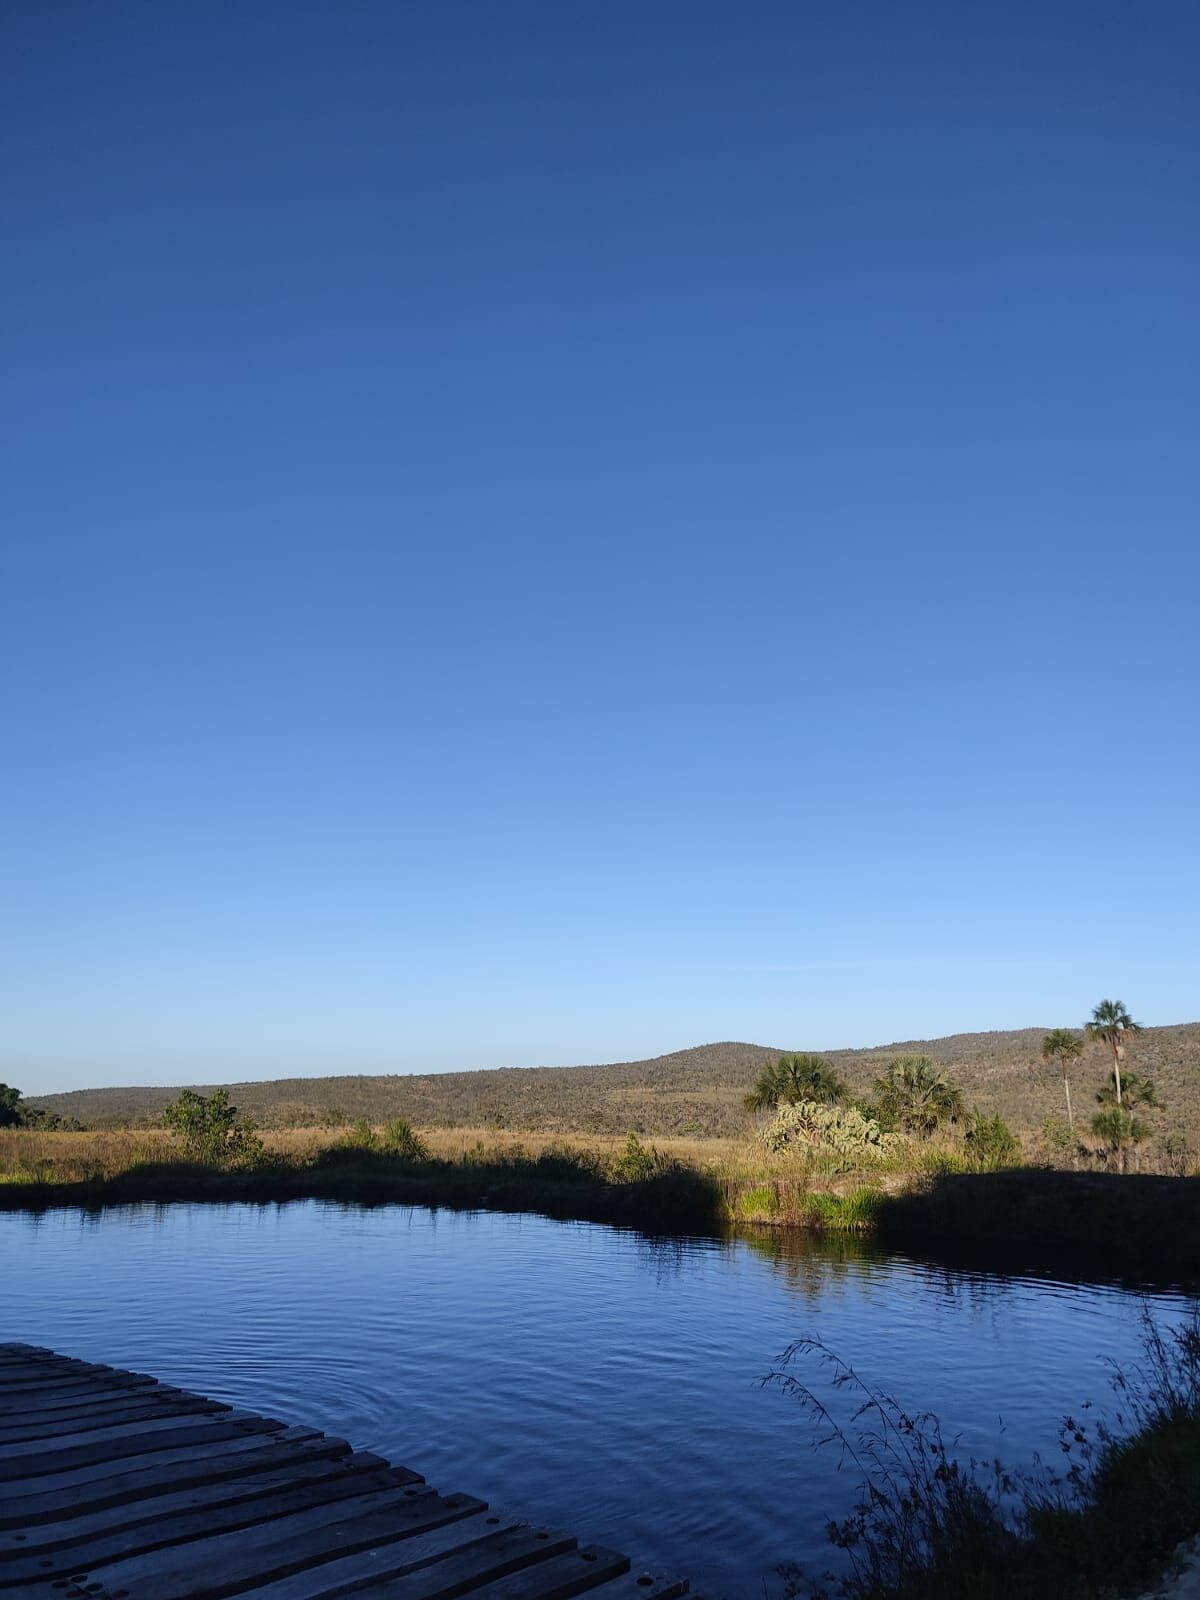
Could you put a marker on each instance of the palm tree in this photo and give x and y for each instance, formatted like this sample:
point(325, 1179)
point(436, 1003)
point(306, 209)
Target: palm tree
point(1120, 1131)
point(1063, 1045)
point(917, 1094)
point(794, 1078)
point(1110, 1022)
point(1135, 1092)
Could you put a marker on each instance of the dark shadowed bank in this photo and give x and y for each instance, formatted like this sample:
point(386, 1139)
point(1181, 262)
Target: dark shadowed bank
point(1140, 1229)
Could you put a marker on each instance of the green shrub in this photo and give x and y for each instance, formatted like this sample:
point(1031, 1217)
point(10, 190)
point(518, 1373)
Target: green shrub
point(636, 1162)
point(360, 1136)
point(211, 1131)
point(991, 1143)
point(400, 1138)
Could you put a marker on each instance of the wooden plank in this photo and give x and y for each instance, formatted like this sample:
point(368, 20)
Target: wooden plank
point(347, 1575)
point(92, 1389)
point(177, 1528)
point(91, 1488)
point(113, 1485)
point(297, 1469)
point(61, 1411)
point(52, 1366)
point(140, 1439)
point(29, 1358)
point(556, 1579)
point(464, 1571)
point(118, 1434)
point(14, 1394)
point(211, 1568)
point(645, 1585)
point(107, 1417)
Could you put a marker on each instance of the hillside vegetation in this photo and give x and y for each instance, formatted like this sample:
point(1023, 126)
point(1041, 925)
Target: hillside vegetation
point(697, 1092)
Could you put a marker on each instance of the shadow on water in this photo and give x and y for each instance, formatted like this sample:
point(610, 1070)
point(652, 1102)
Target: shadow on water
point(1130, 1230)
point(1133, 1229)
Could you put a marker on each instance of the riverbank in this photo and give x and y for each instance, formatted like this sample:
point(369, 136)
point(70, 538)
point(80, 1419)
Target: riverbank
point(1112, 1517)
point(1141, 1228)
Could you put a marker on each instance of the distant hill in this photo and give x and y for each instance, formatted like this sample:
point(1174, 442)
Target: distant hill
point(697, 1091)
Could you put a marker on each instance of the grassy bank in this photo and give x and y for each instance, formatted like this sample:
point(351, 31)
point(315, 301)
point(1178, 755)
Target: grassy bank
point(1133, 1226)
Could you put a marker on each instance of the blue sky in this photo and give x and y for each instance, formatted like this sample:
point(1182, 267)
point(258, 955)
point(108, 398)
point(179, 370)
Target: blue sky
point(547, 533)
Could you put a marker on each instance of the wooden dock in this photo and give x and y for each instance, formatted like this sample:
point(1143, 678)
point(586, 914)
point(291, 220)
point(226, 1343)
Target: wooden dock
point(114, 1486)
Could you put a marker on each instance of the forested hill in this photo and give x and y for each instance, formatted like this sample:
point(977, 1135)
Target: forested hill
point(697, 1091)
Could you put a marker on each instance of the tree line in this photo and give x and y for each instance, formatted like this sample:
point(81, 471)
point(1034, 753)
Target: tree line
point(917, 1097)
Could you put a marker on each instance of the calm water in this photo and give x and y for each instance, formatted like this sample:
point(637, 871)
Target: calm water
point(602, 1381)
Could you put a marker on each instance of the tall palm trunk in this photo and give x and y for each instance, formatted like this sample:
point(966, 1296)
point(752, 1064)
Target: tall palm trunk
point(1067, 1088)
point(1117, 1069)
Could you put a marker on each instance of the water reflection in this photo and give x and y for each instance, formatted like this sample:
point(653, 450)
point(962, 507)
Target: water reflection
point(605, 1380)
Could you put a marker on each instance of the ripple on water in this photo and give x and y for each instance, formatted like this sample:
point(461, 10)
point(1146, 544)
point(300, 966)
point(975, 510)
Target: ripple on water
point(602, 1380)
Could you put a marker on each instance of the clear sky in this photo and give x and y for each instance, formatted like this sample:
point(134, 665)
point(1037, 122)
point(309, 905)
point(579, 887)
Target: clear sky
point(555, 532)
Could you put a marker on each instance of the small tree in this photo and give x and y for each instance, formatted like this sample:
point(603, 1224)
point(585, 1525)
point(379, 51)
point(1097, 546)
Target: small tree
point(916, 1095)
point(636, 1162)
point(211, 1131)
point(10, 1107)
point(794, 1078)
point(1063, 1046)
point(1121, 1131)
point(1111, 1023)
point(991, 1143)
point(1135, 1092)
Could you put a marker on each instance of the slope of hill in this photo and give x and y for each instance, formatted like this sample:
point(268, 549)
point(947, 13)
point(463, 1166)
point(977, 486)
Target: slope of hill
point(697, 1091)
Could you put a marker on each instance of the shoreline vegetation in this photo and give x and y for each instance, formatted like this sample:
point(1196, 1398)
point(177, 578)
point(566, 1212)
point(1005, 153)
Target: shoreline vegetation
point(1142, 1227)
point(902, 1158)
point(1114, 1514)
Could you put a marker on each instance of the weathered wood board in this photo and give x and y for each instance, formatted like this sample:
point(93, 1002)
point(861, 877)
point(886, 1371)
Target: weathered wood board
point(116, 1487)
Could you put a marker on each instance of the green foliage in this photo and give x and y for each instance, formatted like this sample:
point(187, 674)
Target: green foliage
point(758, 1202)
point(916, 1095)
point(211, 1131)
point(1121, 1131)
point(930, 1527)
point(1062, 1045)
point(400, 1138)
point(849, 1213)
point(1057, 1134)
point(636, 1162)
point(1178, 1155)
point(794, 1078)
point(1110, 1022)
point(991, 1143)
point(1135, 1092)
point(10, 1107)
point(843, 1130)
point(359, 1136)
